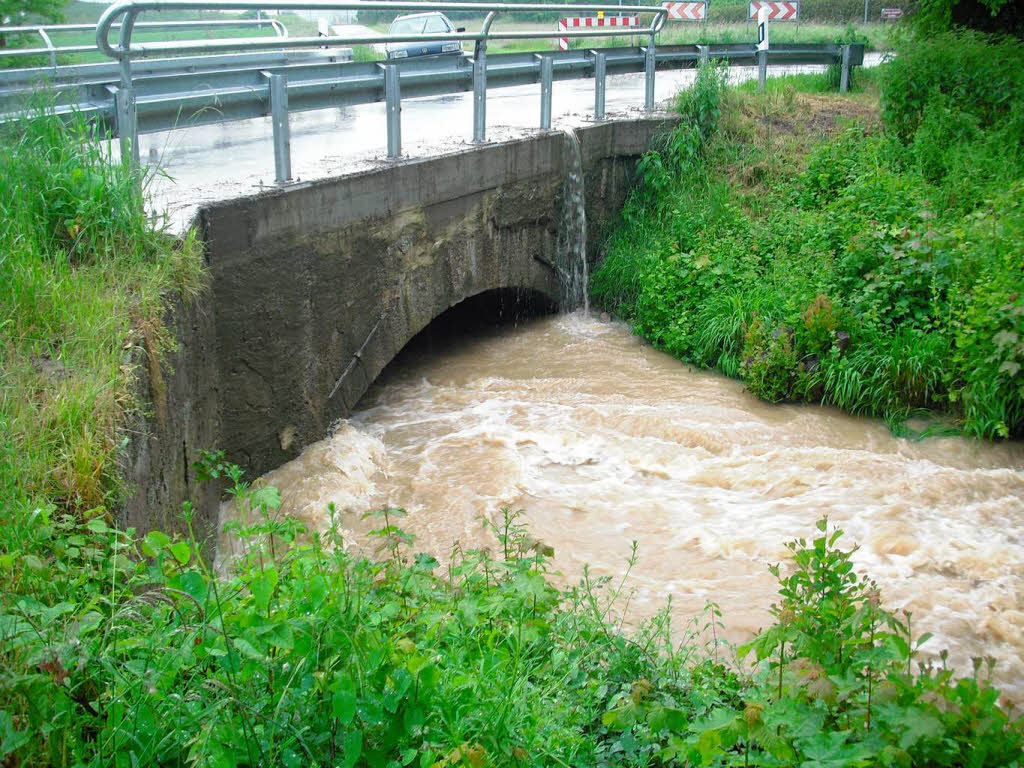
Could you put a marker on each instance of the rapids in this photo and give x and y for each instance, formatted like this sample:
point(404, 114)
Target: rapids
point(602, 440)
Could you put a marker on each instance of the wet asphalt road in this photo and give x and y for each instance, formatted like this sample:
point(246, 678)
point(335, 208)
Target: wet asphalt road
point(218, 162)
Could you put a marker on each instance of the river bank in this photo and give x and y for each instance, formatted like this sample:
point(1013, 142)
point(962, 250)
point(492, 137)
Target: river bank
point(861, 252)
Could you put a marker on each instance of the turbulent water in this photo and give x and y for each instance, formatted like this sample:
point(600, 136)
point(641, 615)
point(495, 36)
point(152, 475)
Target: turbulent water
point(602, 440)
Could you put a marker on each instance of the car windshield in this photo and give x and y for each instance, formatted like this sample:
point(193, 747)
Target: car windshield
point(435, 25)
point(412, 26)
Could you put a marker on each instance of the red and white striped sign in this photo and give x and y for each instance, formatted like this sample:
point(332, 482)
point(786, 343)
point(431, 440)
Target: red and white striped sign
point(786, 10)
point(686, 11)
point(593, 21)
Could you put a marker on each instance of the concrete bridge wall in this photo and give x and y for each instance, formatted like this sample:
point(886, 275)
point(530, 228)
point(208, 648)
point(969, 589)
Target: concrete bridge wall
point(315, 288)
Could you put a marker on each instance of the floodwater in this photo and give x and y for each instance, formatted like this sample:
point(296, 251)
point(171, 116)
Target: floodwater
point(602, 440)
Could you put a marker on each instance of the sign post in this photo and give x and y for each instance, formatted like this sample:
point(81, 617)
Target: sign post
point(762, 47)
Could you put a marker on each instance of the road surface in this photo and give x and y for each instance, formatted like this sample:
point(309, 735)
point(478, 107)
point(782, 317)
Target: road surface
point(215, 162)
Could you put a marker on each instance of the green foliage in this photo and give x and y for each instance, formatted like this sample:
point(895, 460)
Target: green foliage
point(986, 83)
point(836, 683)
point(126, 651)
point(19, 11)
point(877, 270)
point(119, 650)
point(83, 277)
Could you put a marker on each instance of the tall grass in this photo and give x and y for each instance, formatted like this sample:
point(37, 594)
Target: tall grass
point(823, 256)
point(83, 270)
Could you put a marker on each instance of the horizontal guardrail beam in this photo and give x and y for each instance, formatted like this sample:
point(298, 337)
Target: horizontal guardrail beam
point(67, 75)
point(167, 101)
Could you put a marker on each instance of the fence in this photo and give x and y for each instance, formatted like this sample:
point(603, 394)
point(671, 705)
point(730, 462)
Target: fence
point(593, 21)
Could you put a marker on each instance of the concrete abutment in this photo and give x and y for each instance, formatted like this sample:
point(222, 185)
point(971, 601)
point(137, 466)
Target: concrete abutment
point(316, 287)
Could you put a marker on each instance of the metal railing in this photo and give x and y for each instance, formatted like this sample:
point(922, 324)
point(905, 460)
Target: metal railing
point(125, 51)
point(47, 32)
point(141, 94)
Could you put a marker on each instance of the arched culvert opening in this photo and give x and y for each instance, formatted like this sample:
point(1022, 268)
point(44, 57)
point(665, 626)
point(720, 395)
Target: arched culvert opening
point(471, 321)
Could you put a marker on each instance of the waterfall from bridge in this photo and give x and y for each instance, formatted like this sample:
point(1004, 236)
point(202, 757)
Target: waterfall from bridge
point(574, 231)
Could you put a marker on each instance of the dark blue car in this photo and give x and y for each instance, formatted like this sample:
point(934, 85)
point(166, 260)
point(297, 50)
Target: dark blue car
point(432, 23)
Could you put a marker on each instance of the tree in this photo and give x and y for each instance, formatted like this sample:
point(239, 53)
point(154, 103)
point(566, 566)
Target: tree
point(1005, 16)
point(17, 11)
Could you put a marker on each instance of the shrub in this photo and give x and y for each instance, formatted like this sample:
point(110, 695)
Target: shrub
point(902, 244)
point(302, 653)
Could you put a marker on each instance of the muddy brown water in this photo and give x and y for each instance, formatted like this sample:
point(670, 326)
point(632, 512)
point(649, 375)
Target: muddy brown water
point(602, 440)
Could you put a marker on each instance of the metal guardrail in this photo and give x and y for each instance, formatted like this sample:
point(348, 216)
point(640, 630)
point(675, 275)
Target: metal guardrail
point(124, 52)
point(47, 31)
point(144, 97)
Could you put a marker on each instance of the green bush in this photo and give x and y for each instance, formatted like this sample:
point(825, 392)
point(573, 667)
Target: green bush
point(124, 651)
point(966, 72)
point(904, 243)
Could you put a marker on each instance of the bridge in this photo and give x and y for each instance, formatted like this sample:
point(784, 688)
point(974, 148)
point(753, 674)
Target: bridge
point(316, 286)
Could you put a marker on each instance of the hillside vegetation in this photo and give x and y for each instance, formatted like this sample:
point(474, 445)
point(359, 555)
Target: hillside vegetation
point(824, 254)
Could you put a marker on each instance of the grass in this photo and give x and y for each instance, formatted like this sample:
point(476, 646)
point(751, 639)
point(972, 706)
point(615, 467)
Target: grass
point(83, 274)
point(852, 251)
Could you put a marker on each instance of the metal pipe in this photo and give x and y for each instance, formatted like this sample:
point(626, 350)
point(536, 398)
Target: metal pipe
point(547, 68)
point(278, 87)
point(393, 99)
point(49, 46)
point(140, 50)
point(108, 18)
point(52, 50)
point(151, 25)
point(600, 67)
point(128, 122)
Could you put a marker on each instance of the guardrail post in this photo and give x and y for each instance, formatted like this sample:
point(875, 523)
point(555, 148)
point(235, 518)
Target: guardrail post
point(762, 69)
point(282, 132)
point(705, 55)
point(844, 72)
point(649, 75)
point(547, 70)
point(49, 45)
point(600, 67)
point(127, 116)
point(393, 99)
point(480, 92)
point(126, 122)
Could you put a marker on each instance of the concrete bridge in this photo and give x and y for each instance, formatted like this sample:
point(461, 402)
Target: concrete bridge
point(315, 287)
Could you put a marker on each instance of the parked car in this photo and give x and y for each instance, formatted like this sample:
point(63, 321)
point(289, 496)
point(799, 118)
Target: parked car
point(432, 23)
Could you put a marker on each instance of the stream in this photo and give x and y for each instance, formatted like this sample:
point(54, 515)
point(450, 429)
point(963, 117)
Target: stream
point(602, 440)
